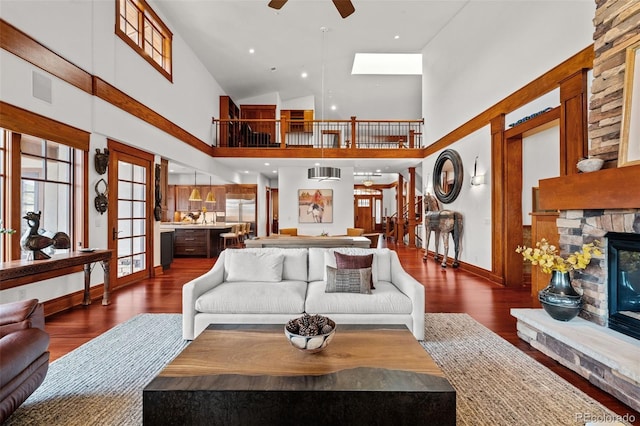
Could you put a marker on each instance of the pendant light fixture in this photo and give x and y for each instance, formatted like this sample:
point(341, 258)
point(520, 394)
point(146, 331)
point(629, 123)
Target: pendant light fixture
point(322, 172)
point(210, 197)
point(195, 193)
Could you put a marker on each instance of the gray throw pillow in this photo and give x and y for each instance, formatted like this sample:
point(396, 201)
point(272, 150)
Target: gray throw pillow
point(348, 280)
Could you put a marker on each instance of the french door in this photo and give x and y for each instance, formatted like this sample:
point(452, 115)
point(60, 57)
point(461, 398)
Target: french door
point(130, 212)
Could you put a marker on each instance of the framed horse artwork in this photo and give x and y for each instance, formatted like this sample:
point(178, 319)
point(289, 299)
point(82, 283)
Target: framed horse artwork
point(315, 205)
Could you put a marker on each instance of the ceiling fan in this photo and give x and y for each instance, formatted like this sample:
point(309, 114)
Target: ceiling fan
point(345, 7)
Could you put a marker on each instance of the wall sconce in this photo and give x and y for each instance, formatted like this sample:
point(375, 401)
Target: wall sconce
point(476, 179)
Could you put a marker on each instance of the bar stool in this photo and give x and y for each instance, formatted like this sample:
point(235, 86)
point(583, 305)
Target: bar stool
point(233, 236)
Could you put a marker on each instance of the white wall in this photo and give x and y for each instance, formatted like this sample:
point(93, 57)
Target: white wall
point(541, 160)
point(493, 48)
point(509, 44)
point(474, 202)
point(305, 102)
point(291, 179)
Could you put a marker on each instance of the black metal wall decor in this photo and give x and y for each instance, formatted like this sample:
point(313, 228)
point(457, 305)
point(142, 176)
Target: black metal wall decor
point(101, 161)
point(157, 210)
point(101, 201)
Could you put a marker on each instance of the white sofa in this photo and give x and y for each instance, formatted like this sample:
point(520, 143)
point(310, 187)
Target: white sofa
point(251, 292)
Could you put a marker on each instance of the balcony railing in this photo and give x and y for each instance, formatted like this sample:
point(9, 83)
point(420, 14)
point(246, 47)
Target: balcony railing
point(359, 134)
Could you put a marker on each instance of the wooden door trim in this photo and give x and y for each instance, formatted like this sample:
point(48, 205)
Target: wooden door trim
point(118, 148)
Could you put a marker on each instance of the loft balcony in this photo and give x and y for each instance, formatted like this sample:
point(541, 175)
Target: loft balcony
point(315, 138)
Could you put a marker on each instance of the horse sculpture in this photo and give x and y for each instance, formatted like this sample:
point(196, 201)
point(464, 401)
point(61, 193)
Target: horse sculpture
point(443, 222)
point(33, 240)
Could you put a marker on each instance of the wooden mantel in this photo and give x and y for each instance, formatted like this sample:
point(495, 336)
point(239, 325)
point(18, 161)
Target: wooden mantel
point(617, 188)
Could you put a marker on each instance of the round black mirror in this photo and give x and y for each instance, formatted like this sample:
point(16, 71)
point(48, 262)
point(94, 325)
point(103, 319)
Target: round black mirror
point(447, 176)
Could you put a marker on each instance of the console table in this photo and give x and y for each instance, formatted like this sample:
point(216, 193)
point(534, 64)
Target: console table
point(19, 272)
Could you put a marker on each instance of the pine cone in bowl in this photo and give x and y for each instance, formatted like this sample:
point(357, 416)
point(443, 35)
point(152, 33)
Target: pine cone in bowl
point(310, 333)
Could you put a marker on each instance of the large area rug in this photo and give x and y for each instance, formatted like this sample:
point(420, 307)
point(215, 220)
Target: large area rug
point(101, 382)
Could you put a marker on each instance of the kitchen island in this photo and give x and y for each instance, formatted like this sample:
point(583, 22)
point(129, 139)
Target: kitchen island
point(196, 239)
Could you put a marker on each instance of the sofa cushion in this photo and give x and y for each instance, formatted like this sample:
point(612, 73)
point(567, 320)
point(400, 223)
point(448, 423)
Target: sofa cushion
point(294, 266)
point(385, 299)
point(348, 280)
point(347, 261)
point(254, 297)
point(381, 267)
point(253, 266)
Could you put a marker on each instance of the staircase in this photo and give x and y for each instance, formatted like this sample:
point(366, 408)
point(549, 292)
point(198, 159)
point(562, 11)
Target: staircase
point(396, 230)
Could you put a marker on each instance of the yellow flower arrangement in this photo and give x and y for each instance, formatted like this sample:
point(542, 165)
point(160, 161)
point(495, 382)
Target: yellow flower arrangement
point(204, 210)
point(546, 256)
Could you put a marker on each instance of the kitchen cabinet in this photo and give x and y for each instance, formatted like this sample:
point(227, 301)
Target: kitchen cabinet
point(191, 242)
point(198, 240)
point(166, 248)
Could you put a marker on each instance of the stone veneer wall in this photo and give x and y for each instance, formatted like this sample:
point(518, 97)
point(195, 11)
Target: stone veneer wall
point(616, 21)
point(578, 227)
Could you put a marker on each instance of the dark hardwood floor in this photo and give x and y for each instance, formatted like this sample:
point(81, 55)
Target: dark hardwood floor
point(447, 290)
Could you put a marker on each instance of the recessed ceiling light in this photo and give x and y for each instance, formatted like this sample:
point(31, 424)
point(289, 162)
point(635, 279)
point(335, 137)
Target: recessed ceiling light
point(387, 63)
point(333, 107)
point(246, 171)
point(316, 164)
point(266, 164)
point(396, 37)
point(274, 171)
point(304, 75)
point(378, 170)
point(252, 51)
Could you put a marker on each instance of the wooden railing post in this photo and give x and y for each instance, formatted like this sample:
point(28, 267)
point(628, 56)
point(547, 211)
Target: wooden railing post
point(354, 137)
point(411, 207)
point(400, 205)
point(412, 138)
point(283, 131)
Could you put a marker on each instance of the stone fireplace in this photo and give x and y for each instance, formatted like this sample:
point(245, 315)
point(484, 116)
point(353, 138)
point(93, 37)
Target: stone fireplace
point(577, 227)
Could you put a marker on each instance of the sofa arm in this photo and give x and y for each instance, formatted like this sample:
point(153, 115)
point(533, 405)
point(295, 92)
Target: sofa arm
point(194, 289)
point(414, 290)
point(21, 315)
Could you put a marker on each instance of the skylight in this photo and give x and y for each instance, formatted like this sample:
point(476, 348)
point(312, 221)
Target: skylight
point(387, 63)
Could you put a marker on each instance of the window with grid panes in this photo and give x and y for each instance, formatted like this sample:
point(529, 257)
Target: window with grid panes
point(47, 186)
point(140, 27)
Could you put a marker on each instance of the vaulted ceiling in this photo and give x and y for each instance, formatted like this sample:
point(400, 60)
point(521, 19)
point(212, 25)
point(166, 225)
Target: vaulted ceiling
point(289, 41)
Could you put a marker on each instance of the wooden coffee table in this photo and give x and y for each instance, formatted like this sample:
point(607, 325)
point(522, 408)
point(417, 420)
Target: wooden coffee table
point(250, 374)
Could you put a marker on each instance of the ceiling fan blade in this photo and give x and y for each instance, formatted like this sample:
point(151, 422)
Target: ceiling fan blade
point(277, 4)
point(345, 7)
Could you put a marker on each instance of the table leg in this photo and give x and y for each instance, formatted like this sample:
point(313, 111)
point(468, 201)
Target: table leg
point(106, 296)
point(87, 284)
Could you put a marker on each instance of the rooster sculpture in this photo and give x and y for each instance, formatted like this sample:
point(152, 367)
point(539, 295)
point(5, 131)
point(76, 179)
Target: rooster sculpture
point(34, 241)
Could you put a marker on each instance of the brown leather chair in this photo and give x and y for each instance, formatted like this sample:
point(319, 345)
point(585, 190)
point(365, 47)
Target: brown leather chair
point(24, 355)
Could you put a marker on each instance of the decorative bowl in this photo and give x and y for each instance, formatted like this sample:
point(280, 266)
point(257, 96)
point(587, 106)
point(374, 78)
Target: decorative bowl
point(309, 343)
point(590, 164)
